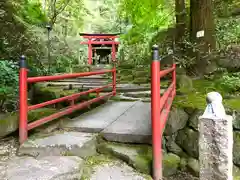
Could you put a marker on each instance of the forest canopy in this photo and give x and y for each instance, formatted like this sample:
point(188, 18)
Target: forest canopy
point(172, 25)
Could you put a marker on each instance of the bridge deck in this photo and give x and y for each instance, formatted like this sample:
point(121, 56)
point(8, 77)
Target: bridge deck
point(116, 121)
point(127, 122)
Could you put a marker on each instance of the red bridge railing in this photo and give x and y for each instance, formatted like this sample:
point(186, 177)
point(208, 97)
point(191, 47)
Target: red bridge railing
point(24, 126)
point(160, 107)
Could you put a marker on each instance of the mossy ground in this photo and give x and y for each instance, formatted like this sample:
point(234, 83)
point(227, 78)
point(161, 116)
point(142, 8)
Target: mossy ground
point(195, 96)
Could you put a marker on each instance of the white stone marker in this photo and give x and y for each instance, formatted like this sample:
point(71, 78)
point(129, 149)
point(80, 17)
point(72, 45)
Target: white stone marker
point(215, 141)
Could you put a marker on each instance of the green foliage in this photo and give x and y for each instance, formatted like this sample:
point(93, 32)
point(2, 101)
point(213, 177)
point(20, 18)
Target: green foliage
point(230, 82)
point(8, 84)
point(145, 20)
point(228, 31)
point(31, 13)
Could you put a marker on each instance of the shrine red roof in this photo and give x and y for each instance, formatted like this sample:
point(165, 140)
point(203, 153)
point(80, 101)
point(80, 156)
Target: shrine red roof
point(88, 34)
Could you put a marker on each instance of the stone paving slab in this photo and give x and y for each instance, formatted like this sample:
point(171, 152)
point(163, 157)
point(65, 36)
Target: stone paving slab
point(134, 126)
point(99, 118)
point(46, 168)
point(61, 143)
point(116, 171)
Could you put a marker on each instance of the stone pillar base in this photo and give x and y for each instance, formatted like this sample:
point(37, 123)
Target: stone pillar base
point(215, 148)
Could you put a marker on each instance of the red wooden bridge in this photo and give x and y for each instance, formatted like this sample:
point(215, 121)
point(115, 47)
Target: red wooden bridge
point(159, 109)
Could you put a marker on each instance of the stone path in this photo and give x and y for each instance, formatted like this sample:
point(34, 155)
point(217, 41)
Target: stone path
point(115, 171)
point(63, 154)
point(134, 126)
point(98, 119)
point(49, 167)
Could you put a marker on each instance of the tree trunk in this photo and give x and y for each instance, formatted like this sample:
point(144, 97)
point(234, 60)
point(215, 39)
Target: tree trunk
point(180, 19)
point(202, 18)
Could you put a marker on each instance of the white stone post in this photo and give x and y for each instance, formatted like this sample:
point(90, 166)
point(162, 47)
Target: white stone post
point(215, 141)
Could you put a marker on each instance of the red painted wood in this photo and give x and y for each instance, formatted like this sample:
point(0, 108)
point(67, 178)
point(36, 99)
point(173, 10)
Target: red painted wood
point(69, 110)
point(24, 127)
point(66, 76)
point(100, 42)
point(155, 116)
point(23, 109)
point(67, 98)
point(160, 108)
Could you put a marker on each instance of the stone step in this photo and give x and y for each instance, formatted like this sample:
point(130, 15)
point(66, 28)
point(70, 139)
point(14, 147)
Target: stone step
point(120, 87)
point(78, 84)
point(44, 168)
point(141, 94)
point(121, 97)
point(83, 80)
point(99, 118)
point(60, 143)
point(134, 126)
point(116, 170)
point(140, 157)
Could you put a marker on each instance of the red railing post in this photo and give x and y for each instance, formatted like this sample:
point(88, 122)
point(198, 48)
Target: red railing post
point(174, 79)
point(114, 79)
point(155, 115)
point(89, 52)
point(23, 98)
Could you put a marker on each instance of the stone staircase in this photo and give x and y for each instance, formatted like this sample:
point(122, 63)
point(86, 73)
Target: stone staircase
point(86, 83)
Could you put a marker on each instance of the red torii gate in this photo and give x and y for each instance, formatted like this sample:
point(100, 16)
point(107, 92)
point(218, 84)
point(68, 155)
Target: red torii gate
point(98, 40)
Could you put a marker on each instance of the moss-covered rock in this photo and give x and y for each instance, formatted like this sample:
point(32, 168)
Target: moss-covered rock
point(125, 72)
point(193, 166)
point(127, 78)
point(78, 68)
point(141, 80)
point(236, 121)
point(9, 122)
point(172, 146)
point(236, 173)
point(43, 93)
point(193, 120)
point(171, 163)
point(177, 120)
point(183, 164)
point(125, 66)
point(142, 73)
point(187, 139)
point(140, 157)
point(236, 148)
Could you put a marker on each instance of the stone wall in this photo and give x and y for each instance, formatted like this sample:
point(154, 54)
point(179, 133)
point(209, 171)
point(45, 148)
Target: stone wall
point(181, 138)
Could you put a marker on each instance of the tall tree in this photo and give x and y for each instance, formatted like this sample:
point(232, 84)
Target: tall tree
point(202, 19)
point(181, 18)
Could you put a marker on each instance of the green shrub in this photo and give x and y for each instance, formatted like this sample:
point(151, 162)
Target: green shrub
point(8, 85)
point(230, 82)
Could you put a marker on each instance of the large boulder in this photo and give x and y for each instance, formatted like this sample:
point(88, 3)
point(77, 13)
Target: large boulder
point(177, 120)
point(187, 139)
